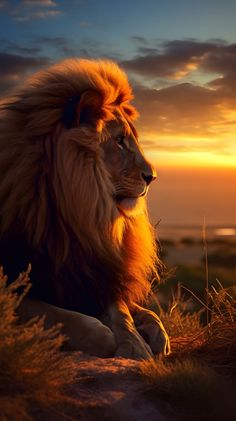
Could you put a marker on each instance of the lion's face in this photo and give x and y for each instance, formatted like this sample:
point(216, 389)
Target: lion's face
point(130, 172)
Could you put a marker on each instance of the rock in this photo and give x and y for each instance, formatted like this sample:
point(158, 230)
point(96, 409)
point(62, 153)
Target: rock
point(110, 390)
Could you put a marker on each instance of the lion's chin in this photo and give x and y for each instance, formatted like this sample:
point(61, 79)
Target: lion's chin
point(129, 206)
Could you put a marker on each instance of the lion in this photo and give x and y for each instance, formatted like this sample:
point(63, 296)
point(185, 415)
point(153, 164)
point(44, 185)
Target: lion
point(73, 203)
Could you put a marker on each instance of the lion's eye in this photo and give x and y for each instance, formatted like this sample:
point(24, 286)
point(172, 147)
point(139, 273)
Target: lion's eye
point(121, 141)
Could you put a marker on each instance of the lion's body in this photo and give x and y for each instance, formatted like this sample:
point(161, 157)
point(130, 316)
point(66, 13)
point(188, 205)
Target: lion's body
point(56, 208)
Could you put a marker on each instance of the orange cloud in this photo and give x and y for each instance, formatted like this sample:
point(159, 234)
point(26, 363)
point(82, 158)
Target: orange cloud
point(170, 58)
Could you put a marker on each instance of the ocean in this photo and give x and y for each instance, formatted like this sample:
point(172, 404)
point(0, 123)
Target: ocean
point(176, 233)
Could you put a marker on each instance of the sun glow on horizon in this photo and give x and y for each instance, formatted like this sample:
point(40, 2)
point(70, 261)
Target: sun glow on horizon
point(191, 159)
point(190, 151)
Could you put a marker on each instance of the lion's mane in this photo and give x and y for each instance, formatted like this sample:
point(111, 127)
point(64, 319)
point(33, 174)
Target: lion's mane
point(56, 206)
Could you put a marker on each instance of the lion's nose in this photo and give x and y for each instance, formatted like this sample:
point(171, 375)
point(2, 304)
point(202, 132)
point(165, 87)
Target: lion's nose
point(149, 176)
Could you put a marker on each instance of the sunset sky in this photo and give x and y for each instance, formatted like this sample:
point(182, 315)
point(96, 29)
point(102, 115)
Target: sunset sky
point(180, 56)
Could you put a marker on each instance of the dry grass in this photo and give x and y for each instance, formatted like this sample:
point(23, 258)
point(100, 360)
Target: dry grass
point(197, 381)
point(33, 372)
point(214, 343)
point(188, 390)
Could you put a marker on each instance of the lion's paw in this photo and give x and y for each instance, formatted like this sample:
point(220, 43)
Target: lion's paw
point(152, 330)
point(133, 346)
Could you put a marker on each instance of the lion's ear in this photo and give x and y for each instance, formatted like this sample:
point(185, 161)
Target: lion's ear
point(89, 108)
point(82, 109)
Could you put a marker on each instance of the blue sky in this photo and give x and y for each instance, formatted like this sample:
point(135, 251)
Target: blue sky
point(110, 26)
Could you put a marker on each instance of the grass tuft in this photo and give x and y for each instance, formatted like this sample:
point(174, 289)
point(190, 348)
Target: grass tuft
point(214, 343)
point(33, 371)
point(188, 389)
point(197, 381)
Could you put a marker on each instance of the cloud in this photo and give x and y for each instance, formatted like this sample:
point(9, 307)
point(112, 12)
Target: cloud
point(13, 47)
point(84, 24)
point(2, 4)
point(61, 44)
point(168, 99)
point(37, 15)
point(47, 3)
point(183, 109)
point(64, 46)
point(178, 58)
point(176, 146)
point(35, 9)
point(172, 59)
point(140, 40)
point(13, 68)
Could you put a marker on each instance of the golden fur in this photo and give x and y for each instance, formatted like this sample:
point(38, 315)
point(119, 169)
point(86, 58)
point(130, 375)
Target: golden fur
point(55, 188)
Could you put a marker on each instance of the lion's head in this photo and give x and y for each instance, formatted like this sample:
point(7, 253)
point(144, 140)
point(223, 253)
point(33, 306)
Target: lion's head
point(130, 173)
point(74, 179)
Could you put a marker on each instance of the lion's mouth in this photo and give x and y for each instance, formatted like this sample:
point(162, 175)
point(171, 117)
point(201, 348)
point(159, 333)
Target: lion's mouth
point(120, 198)
point(127, 204)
